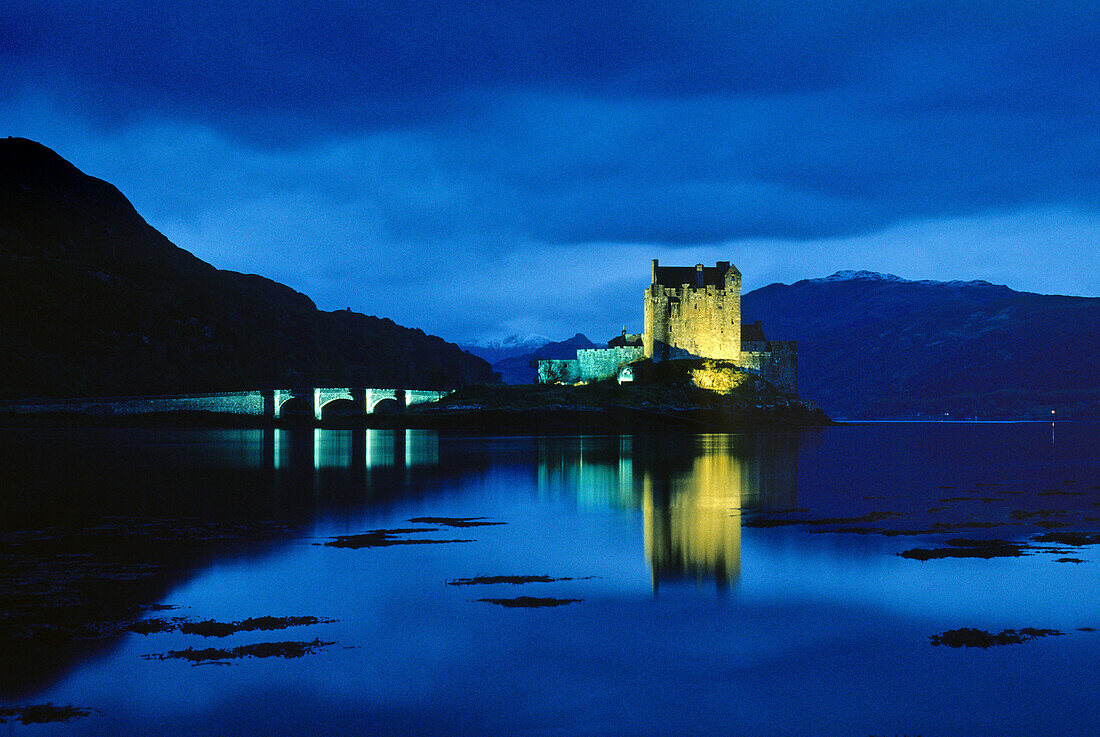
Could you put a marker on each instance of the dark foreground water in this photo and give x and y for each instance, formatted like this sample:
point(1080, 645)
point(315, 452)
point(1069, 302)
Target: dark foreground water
point(708, 584)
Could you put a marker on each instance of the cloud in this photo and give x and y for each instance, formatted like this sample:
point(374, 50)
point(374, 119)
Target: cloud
point(1041, 250)
point(526, 161)
point(329, 66)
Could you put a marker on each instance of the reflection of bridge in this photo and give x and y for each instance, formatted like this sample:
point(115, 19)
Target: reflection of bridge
point(322, 449)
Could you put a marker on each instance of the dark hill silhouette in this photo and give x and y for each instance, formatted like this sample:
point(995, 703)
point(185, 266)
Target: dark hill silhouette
point(874, 345)
point(93, 300)
point(519, 369)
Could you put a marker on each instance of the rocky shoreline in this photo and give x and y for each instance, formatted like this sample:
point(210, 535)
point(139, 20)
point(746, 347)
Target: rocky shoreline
point(511, 409)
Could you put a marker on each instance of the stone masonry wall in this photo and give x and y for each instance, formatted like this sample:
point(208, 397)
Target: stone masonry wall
point(596, 364)
point(778, 364)
point(558, 371)
point(235, 403)
point(592, 364)
point(689, 321)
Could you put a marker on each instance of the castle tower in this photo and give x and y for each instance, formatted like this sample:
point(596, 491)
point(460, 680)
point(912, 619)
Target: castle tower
point(693, 312)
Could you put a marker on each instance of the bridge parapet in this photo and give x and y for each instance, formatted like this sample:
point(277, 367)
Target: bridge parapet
point(281, 397)
point(267, 403)
point(423, 396)
point(365, 400)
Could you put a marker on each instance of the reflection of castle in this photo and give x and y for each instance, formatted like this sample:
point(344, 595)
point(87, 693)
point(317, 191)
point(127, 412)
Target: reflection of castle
point(693, 519)
point(691, 490)
point(597, 471)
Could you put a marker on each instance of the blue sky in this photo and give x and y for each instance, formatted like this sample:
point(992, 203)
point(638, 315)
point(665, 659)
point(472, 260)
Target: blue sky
point(484, 168)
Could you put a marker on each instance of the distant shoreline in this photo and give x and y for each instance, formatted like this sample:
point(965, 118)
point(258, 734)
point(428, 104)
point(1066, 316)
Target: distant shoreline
point(480, 422)
point(501, 420)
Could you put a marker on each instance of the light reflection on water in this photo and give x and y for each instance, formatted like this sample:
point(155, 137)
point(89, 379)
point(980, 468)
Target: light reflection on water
point(691, 493)
point(808, 633)
point(348, 449)
point(691, 500)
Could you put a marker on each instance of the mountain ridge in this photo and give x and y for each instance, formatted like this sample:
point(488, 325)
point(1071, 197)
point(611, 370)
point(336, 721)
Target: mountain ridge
point(895, 348)
point(518, 369)
point(496, 350)
point(864, 275)
point(95, 301)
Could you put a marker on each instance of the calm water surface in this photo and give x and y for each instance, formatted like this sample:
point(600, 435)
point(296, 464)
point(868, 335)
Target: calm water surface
point(702, 607)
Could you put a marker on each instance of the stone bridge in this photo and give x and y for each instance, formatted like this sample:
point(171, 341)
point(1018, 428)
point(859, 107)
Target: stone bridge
point(365, 401)
point(269, 403)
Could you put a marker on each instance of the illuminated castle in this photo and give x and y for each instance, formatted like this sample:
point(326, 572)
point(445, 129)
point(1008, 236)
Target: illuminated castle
point(690, 312)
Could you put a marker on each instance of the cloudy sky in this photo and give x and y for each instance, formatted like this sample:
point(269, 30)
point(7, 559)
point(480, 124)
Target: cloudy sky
point(485, 168)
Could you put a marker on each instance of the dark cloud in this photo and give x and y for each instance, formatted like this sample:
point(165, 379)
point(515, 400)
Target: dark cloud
point(329, 143)
point(323, 65)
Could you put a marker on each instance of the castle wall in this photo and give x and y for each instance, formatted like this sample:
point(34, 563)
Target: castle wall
point(592, 364)
point(558, 371)
point(777, 364)
point(596, 364)
point(694, 321)
point(655, 321)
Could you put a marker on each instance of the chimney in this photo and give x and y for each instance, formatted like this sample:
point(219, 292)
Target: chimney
point(698, 275)
point(654, 271)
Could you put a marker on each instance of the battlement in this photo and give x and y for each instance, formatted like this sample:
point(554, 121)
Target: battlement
point(719, 276)
point(693, 312)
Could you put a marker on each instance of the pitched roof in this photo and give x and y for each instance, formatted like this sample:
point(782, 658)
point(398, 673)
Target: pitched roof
point(675, 276)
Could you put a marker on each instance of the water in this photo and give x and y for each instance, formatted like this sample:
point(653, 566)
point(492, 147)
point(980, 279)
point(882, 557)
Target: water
point(700, 609)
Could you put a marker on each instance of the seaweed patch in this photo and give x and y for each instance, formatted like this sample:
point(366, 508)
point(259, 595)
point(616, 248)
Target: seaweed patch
point(212, 628)
point(151, 626)
point(42, 713)
point(530, 602)
point(1073, 539)
point(479, 580)
point(257, 650)
point(871, 517)
point(964, 548)
point(970, 637)
point(456, 521)
point(385, 538)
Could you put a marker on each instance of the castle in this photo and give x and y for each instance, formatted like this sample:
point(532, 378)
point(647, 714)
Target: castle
point(690, 312)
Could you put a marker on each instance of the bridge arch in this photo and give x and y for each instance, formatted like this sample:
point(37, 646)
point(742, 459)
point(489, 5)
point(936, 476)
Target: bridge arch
point(291, 405)
point(325, 396)
point(279, 398)
point(394, 400)
point(319, 400)
point(387, 406)
point(339, 407)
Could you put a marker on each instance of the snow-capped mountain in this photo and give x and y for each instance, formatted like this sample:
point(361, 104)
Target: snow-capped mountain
point(848, 275)
point(493, 350)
